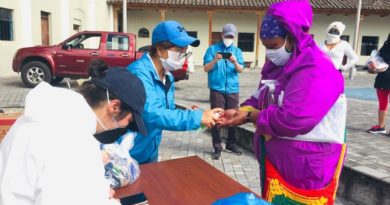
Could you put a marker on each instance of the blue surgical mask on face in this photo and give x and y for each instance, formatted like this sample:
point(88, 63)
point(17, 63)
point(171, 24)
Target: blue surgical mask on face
point(278, 56)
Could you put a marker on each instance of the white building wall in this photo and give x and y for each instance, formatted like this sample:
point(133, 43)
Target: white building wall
point(193, 21)
point(8, 48)
point(95, 15)
point(247, 22)
point(369, 26)
point(91, 14)
point(137, 19)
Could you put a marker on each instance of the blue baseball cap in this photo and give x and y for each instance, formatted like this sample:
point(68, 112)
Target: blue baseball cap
point(173, 32)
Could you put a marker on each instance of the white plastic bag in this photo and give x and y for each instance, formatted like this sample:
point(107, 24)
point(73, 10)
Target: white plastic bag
point(120, 168)
point(377, 62)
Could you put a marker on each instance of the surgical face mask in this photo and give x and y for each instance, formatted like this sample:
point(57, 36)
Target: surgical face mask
point(332, 38)
point(227, 41)
point(278, 56)
point(173, 62)
point(109, 136)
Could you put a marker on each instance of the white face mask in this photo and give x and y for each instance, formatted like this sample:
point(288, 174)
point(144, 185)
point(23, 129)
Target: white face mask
point(227, 41)
point(278, 56)
point(331, 38)
point(173, 62)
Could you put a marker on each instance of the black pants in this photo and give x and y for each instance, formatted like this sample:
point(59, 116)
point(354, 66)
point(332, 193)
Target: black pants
point(224, 101)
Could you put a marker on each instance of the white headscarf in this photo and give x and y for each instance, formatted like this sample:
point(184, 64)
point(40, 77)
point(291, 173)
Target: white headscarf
point(338, 25)
point(333, 38)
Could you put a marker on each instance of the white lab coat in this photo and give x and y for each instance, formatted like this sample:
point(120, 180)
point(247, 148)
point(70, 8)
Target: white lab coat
point(49, 156)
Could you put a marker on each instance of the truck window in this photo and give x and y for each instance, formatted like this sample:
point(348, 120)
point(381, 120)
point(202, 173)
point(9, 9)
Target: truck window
point(117, 42)
point(85, 41)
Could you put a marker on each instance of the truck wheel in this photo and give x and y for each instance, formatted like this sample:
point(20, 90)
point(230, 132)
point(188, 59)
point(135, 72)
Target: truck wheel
point(35, 72)
point(56, 80)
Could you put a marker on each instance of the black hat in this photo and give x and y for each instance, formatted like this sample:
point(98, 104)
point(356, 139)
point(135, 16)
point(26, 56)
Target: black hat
point(130, 90)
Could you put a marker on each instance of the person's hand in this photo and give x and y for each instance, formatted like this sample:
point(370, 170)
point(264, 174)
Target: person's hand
point(211, 117)
point(372, 65)
point(217, 57)
point(232, 117)
point(233, 59)
point(194, 107)
point(342, 68)
point(111, 193)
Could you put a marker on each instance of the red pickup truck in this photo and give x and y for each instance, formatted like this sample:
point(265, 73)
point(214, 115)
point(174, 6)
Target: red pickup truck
point(71, 57)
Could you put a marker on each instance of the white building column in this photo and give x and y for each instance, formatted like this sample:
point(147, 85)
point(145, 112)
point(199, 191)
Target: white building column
point(124, 14)
point(65, 19)
point(91, 15)
point(110, 17)
point(26, 28)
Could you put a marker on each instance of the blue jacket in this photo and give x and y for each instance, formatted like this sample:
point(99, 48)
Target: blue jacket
point(223, 77)
point(160, 111)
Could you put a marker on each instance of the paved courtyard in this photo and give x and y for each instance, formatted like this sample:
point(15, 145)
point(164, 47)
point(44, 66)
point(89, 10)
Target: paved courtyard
point(367, 153)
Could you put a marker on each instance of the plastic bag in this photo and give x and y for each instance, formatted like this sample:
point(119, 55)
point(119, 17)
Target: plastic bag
point(241, 199)
point(120, 168)
point(376, 61)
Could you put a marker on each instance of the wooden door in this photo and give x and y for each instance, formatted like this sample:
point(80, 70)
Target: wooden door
point(45, 28)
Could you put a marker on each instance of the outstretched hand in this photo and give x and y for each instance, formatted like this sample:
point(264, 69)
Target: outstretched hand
point(232, 117)
point(211, 117)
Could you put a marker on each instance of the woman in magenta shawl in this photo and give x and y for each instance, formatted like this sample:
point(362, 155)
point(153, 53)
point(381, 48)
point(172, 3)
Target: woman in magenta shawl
point(299, 109)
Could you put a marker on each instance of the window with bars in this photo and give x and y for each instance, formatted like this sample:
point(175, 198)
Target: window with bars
point(345, 38)
point(6, 30)
point(143, 33)
point(246, 41)
point(215, 37)
point(369, 43)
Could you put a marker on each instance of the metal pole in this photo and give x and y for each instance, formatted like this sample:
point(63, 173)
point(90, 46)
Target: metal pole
point(352, 70)
point(124, 15)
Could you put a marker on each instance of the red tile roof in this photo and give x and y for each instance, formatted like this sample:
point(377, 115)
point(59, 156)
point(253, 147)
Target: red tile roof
point(367, 5)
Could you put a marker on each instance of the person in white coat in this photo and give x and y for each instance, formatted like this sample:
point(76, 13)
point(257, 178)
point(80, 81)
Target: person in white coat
point(51, 155)
point(336, 48)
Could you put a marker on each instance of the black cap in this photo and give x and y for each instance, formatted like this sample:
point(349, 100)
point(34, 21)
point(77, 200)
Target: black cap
point(130, 90)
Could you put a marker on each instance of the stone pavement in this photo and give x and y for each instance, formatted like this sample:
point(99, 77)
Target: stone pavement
point(367, 153)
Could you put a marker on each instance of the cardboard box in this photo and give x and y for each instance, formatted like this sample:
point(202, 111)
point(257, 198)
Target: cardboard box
point(6, 121)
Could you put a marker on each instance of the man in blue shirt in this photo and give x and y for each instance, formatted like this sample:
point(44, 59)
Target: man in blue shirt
point(223, 61)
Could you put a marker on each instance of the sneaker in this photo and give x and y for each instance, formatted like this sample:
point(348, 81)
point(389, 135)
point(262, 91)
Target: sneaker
point(377, 130)
point(216, 154)
point(233, 149)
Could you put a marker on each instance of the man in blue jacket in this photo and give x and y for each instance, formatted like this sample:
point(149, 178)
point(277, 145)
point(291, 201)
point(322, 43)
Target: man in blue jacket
point(167, 53)
point(223, 61)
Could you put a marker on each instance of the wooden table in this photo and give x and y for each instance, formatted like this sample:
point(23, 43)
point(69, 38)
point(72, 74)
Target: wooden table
point(187, 181)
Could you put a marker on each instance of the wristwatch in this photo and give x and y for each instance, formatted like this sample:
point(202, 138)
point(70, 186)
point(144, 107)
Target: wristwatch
point(248, 117)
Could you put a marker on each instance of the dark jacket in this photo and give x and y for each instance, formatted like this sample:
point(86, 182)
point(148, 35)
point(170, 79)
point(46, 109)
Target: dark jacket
point(382, 80)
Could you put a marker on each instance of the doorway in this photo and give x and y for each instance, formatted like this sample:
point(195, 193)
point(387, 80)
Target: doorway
point(45, 28)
